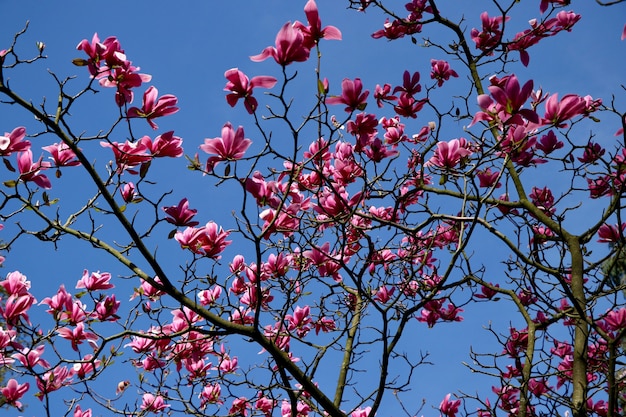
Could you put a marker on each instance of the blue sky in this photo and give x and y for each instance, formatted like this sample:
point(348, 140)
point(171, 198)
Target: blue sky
point(187, 46)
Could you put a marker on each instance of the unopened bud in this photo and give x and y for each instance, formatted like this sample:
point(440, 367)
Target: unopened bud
point(432, 125)
point(41, 46)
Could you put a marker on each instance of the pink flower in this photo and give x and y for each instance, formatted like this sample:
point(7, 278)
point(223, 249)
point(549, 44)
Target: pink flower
point(128, 154)
point(314, 32)
point(488, 178)
point(441, 71)
point(164, 145)
point(351, 95)
point(208, 297)
point(128, 192)
point(232, 145)
point(78, 412)
point(241, 87)
point(210, 395)
point(16, 284)
point(31, 171)
point(384, 294)
point(208, 241)
point(611, 233)
point(289, 48)
point(15, 308)
point(14, 142)
point(361, 412)
point(567, 108)
point(155, 404)
point(95, 281)
point(108, 51)
point(181, 215)
point(62, 155)
point(13, 392)
point(154, 107)
point(78, 335)
point(448, 154)
point(449, 408)
point(616, 319)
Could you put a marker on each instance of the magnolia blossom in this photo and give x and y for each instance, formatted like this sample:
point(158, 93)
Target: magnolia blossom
point(314, 32)
point(155, 404)
point(230, 146)
point(290, 47)
point(154, 106)
point(13, 392)
point(352, 95)
point(241, 87)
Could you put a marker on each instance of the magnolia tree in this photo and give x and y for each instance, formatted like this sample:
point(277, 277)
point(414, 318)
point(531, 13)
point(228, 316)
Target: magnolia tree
point(361, 216)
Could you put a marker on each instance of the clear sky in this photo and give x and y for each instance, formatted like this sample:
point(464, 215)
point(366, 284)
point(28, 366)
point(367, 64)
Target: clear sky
point(187, 46)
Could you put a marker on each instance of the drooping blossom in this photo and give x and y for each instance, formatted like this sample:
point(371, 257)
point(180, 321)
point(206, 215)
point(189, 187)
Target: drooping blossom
point(61, 155)
point(352, 95)
point(230, 146)
point(314, 32)
point(181, 214)
point(154, 106)
point(290, 47)
point(441, 71)
point(31, 171)
point(241, 87)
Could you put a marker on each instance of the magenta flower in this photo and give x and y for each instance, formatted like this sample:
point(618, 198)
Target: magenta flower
point(13, 142)
point(231, 146)
point(95, 281)
point(240, 87)
point(209, 240)
point(181, 215)
point(449, 408)
point(154, 106)
point(128, 192)
point(31, 171)
point(448, 154)
point(289, 48)
point(314, 32)
point(164, 145)
point(128, 154)
point(62, 155)
point(611, 233)
point(441, 71)
point(352, 95)
point(153, 404)
point(78, 335)
point(13, 392)
point(567, 108)
point(410, 84)
point(102, 55)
